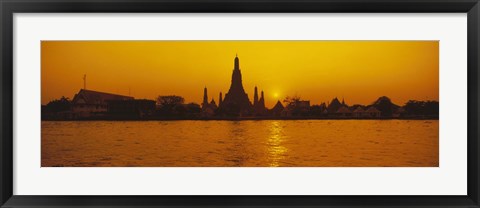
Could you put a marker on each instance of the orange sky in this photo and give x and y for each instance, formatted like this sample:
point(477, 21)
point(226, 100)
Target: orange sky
point(359, 71)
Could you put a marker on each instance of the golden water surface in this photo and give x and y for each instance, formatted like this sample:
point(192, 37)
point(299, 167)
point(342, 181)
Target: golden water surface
point(266, 143)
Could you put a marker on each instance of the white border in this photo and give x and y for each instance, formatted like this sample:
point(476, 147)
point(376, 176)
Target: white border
point(448, 179)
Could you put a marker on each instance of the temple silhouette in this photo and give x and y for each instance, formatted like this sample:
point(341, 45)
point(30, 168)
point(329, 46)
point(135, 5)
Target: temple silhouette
point(91, 105)
point(236, 101)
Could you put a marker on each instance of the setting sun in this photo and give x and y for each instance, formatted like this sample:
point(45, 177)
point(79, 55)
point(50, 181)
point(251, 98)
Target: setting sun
point(359, 71)
point(274, 104)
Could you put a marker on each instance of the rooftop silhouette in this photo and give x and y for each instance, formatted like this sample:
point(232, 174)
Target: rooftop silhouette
point(89, 104)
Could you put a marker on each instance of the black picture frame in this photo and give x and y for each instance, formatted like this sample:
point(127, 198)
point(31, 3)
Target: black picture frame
point(9, 7)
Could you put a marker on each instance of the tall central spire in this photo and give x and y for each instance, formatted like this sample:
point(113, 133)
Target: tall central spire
point(237, 85)
point(236, 99)
point(237, 63)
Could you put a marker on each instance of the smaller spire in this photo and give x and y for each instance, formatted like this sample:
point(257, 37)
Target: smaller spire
point(220, 99)
point(205, 98)
point(213, 104)
point(261, 102)
point(255, 96)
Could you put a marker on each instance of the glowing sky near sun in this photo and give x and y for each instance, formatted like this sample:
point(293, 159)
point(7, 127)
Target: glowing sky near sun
point(359, 71)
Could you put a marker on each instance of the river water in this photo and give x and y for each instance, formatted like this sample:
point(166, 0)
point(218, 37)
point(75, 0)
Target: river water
point(265, 143)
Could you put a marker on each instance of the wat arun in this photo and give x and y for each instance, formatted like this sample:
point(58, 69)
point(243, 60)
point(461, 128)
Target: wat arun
point(236, 99)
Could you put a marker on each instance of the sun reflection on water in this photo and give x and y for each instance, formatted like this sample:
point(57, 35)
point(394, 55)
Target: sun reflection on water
point(283, 143)
point(276, 149)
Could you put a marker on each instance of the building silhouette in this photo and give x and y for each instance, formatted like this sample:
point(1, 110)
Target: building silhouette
point(205, 98)
point(277, 109)
point(236, 100)
point(89, 103)
point(208, 108)
point(334, 105)
point(130, 109)
point(259, 104)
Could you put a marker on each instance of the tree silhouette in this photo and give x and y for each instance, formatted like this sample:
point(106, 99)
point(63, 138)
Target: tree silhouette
point(170, 105)
point(385, 105)
point(293, 105)
point(428, 108)
point(292, 102)
point(55, 106)
point(193, 108)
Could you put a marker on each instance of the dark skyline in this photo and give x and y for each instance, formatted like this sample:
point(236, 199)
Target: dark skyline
point(358, 71)
point(88, 104)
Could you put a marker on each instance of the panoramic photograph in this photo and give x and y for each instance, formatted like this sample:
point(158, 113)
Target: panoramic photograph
point(240, 103)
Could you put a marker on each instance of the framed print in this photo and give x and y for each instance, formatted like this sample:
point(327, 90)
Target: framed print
point(238, 103)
